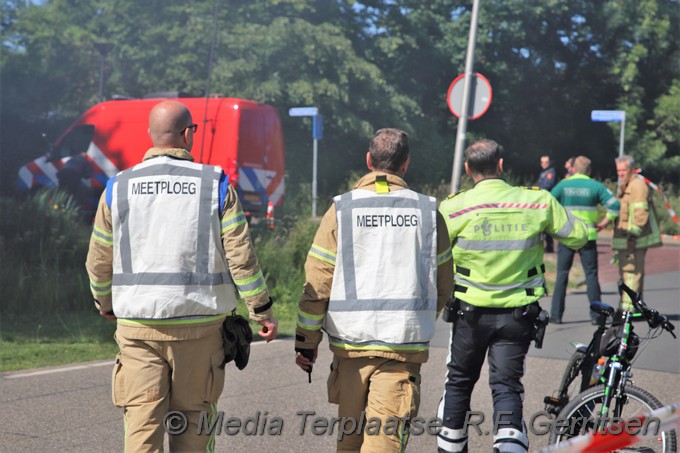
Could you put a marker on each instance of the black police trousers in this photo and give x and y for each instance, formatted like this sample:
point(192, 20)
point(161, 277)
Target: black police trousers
point(507, 341)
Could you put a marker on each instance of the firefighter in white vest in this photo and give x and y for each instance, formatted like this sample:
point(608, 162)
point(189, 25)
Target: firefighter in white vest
point(378, 273)
point(495, 230)
point(169, 248)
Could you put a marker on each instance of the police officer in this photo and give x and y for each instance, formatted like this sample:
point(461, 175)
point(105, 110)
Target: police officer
point(547, 178)
point(378, 272)
point(169, 247)
point(496, 231)
point(546, 181)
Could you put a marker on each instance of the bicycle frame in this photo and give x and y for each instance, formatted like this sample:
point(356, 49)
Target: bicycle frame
point(618, 370)
point(618, 367)
point(616, 397)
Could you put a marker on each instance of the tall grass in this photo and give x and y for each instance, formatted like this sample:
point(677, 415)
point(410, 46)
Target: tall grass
point(43, 244)
point(282, 253)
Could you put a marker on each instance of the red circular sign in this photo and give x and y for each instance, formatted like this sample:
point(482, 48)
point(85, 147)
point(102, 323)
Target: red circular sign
point(480, 99)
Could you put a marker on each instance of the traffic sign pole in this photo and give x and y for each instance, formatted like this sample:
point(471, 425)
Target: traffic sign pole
point(462, 122)
point(317, 134)
point(316, 149)
point(612, 116)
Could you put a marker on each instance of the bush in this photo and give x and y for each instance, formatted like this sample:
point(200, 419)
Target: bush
point(43, 244)
point(666, 224)
point(282, 254)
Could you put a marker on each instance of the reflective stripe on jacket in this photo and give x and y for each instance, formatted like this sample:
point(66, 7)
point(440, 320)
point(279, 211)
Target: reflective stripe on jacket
point(183, 281)
point(495, 231)
point(385, 300)
point(581, 194)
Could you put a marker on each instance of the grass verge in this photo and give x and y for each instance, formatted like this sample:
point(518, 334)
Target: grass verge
point(59, 339)
point(54, 339)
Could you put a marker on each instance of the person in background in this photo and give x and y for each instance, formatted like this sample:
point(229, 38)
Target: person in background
point(636, 229)
point(495, 231)
point(170, 246)
point(548, 177)
point(546, 181)
point(378, 272)
point(580, 195)
point(569, 167)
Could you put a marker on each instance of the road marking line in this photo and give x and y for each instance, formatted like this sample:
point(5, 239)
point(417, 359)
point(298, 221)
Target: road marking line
point(83, 367)
point(56, 370)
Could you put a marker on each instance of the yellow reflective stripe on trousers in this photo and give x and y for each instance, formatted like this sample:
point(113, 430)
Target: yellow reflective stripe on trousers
point(210, 446)
point(251, 286)
point(171, 322)
point(322, 254)
point(231, 222)
point(403, 434)
point(309, 321)
point(102, 236)
point(100, 288)
point(626, 302)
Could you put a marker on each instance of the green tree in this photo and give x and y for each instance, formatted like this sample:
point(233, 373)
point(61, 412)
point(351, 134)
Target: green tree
point(646, 65)
point(367, 64)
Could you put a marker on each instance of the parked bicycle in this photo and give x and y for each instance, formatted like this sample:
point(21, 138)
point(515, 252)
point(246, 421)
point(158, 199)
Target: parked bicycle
point(601, 375)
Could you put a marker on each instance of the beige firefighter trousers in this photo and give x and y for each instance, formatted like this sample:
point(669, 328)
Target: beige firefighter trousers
point(632, 272)
point(379, 389)
point(151, 379)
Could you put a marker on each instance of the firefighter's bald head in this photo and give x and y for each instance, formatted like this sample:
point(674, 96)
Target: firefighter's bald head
point(170, 126)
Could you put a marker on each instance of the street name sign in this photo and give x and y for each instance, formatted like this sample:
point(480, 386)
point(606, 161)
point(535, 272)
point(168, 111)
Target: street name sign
point(303, 111)
point(608, 116)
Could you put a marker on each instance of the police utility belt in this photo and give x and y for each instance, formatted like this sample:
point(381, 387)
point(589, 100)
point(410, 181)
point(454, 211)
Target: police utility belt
point(456, 308)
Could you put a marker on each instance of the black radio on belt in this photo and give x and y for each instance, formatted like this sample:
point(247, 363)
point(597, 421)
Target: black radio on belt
point(450, 312)
point(539, 328)
point(538, 317)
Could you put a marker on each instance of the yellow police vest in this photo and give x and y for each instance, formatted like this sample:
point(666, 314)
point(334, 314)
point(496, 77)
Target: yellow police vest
point(496, 236)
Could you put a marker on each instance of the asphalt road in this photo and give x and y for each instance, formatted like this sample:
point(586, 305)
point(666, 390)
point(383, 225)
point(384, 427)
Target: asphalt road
point(69, 409)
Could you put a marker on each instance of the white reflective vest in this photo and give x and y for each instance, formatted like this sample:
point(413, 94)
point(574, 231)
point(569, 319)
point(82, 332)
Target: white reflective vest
point(168, 261)
point(384, 292)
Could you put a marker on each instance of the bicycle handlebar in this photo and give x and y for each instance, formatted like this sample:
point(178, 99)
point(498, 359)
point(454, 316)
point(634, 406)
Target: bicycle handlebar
point(653, 317)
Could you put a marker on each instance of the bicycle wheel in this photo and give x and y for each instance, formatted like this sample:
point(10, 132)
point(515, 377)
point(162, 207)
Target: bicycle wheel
point(569, 385)
point(586, 406)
